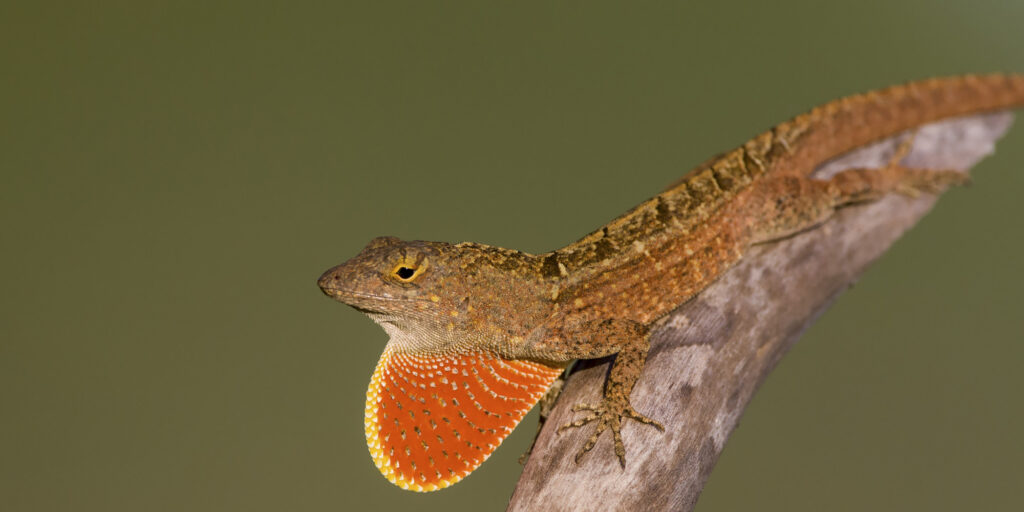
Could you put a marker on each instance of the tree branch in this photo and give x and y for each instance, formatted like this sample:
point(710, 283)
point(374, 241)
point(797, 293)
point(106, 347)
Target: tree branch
point(710, 355)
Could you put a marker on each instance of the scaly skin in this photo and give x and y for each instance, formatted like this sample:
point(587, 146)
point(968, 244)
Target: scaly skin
point(478, 333)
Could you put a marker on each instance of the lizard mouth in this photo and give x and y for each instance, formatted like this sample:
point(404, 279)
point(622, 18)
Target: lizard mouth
point(340, 293)
point(368, 303)
point(359, 300)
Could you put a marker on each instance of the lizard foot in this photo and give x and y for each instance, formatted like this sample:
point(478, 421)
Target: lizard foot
point(608, 414)
point(911, 182)
point(932, 182)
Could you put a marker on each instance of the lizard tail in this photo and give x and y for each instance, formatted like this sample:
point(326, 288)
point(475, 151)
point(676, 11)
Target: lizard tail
point(800, 145)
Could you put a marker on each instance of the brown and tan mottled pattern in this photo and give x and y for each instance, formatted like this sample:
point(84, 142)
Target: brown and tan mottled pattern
point(602, 294)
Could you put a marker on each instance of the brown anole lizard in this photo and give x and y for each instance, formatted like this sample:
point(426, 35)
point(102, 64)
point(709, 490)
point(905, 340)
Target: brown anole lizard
point(479, 333)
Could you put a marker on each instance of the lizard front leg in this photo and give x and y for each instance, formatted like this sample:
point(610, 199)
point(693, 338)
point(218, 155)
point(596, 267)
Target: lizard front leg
point(627, 339)
point(545, 406)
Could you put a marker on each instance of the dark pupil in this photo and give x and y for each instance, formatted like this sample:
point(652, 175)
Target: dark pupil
point(405, 272)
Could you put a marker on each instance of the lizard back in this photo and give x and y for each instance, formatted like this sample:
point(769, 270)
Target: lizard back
point(662, 252)
point(795, 147)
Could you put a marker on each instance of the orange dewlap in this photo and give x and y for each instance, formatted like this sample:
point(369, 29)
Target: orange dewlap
point(430, 421)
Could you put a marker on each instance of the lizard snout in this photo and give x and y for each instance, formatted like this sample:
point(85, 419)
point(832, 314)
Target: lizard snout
point(328, 282)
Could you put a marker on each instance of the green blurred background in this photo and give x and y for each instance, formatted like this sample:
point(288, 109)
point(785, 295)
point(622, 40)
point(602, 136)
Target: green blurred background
point(174, 177)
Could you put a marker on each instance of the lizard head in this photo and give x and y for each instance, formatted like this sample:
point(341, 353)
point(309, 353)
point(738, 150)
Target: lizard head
point(443, 396)
point(388, 278)
point(431, 295)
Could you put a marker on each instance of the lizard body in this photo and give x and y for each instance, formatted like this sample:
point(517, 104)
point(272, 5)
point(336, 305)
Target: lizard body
point(478, 333)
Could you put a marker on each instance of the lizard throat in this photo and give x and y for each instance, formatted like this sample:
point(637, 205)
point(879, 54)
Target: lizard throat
point(413, 337)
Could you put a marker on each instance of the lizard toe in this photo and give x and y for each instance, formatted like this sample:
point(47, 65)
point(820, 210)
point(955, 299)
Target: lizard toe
point(632, 414)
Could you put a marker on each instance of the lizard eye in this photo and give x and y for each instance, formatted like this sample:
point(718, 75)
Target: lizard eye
point(406, 272)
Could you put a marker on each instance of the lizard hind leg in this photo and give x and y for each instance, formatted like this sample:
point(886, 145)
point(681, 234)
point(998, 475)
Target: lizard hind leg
point(859, 184)
point(785, 205)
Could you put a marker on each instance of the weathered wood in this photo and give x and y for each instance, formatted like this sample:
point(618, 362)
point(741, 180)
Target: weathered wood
point(710, 355)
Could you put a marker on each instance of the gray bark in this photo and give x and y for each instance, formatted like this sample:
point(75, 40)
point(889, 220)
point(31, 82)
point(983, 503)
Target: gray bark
point(710, 355)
